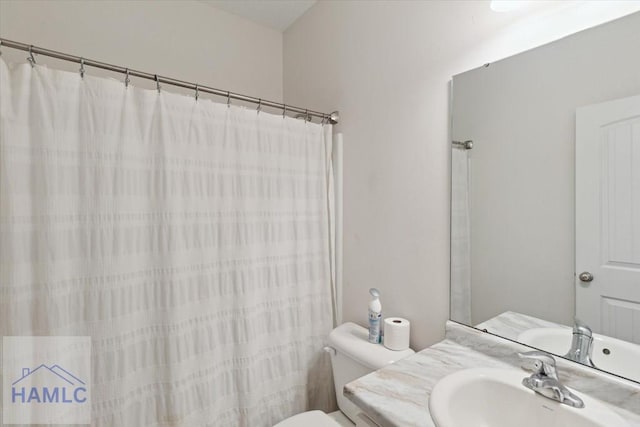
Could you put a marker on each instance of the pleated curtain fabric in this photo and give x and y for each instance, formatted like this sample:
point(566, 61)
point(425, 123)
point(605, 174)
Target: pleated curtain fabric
point(189, 239)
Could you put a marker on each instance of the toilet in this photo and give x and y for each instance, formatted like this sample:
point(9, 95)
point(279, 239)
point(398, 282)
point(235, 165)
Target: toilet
point(352, 356)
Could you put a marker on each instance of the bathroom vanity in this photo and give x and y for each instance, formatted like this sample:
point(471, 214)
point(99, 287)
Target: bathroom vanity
point(398, 395)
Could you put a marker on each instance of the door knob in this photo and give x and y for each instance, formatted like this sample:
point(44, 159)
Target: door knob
point(585, 276)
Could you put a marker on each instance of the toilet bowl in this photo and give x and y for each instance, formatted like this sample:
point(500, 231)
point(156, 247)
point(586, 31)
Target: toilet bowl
point(352, 356)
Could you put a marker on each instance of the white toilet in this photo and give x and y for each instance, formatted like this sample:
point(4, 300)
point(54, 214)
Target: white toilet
point(352, 356)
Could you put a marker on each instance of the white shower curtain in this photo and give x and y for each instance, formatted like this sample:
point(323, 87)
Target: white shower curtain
point(460, 236)
point(188, 239)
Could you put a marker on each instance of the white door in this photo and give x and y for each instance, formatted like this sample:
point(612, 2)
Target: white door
point(608, 217)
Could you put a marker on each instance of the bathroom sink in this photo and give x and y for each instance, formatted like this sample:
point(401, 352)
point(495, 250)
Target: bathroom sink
point(609, 354)
point(496, 398)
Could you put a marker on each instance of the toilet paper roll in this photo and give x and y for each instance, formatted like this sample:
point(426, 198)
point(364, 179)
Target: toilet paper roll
point(396, 333)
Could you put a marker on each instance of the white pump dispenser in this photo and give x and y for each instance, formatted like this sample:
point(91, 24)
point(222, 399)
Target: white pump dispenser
point(375, 317)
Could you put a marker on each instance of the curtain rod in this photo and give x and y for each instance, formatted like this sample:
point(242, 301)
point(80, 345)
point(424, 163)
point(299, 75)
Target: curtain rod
point(467, 145)
point(331, 118)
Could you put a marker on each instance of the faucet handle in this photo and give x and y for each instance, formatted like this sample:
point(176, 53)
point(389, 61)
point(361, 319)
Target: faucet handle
point(540, 363)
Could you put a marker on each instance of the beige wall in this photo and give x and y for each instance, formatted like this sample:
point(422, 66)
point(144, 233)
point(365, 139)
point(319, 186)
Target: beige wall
point(186, 39)
point(386, 66)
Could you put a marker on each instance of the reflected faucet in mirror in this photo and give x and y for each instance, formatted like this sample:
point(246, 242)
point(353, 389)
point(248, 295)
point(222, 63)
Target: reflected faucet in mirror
point(581, 344)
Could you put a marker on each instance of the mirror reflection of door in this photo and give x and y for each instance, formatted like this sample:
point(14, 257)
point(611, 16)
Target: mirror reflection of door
point(608, 217)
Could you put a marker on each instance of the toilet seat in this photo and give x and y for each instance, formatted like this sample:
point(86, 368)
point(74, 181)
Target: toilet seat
point(309, 419)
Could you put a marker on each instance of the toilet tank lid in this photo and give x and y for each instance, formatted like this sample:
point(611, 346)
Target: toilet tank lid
point(352, 341)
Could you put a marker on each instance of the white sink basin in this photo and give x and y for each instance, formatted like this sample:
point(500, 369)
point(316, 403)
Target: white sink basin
point(609, 354)
point(486, 397)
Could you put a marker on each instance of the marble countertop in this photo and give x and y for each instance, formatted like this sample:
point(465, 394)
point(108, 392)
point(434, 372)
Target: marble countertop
point(398, 395)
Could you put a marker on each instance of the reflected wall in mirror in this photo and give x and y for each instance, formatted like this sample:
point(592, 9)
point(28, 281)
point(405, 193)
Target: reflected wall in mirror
point(551, 189)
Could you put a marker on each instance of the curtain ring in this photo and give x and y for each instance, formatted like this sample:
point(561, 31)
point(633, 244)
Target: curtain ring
point(197, 92)
point(31, 58)
point(228, 99)
point(284, 110)
point(306, 116)
point(126, 78)
point(157, 82)
point(82, 68)
point(259, 105)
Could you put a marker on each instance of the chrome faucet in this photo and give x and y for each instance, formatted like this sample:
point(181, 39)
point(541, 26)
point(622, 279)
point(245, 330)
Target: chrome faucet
point(544, 379)
point(581, 344)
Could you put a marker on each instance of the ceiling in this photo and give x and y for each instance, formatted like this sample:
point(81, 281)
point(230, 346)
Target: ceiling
point(276, 14)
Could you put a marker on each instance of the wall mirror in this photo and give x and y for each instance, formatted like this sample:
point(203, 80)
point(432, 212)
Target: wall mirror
point(545, 204)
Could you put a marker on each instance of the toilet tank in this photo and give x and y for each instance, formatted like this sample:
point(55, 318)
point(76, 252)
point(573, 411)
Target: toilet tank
point(354, 357)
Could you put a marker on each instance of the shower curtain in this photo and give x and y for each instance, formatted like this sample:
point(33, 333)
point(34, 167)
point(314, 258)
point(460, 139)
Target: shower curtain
point(460, 236)
point(189, 239)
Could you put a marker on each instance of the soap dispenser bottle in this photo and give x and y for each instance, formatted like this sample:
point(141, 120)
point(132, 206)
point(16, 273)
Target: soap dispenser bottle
point(375, 317)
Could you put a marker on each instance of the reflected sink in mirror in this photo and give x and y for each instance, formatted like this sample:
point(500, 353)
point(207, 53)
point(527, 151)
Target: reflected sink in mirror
point(496, 397)
point(609, 354)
